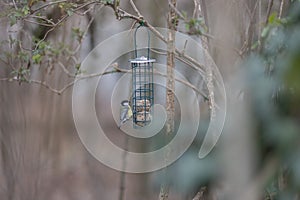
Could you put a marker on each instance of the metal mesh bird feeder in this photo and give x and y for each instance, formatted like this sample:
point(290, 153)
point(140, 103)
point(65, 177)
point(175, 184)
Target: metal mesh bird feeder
point(142, 86)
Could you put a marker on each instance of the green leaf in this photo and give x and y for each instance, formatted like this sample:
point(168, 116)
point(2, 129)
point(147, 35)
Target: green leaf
point(70, 12)
point(23, 56)
point(272, 18)
point(284, 21)
point(37, 58)
point(187, 27)
point(12, 20)
point(255, 45)
point(192, 22)
point(275, 21)
point(77, 33)
point(25, 10)
point(265, 32)
point(61, 5)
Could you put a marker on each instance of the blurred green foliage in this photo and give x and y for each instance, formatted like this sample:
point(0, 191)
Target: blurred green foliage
point(274, 85)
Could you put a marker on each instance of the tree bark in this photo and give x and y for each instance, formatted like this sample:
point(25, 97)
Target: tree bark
point(170, 84)
point(170, 99)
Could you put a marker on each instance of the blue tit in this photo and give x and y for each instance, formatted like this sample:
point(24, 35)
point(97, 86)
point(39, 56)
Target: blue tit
point(125, 112)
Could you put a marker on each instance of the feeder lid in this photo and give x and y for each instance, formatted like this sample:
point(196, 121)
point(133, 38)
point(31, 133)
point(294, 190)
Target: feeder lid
point(142, 59)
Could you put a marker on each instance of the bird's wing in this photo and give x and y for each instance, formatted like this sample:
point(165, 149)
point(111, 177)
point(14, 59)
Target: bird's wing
point(123, 113)
point(129, 113)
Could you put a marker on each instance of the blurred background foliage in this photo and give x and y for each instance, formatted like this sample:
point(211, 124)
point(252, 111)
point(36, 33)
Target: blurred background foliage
point(274, 86)
point(258, 155)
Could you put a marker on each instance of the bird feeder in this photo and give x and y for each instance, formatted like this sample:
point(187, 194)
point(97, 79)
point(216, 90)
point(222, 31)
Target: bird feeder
point(142, 86)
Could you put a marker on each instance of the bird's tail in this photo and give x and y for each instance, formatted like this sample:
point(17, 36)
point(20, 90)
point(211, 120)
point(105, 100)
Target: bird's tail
point(121, 123)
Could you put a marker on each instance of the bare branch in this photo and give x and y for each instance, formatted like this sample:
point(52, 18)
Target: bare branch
point(180, 55)
point(62, 90)
point(5, 79)
point(121, 14)
point(115, 70)
point(197, 8)
point(259, 20)
point(44, 84)
point(50, 30)
point(123, 173)
point(60, 21)
point(184, 82)
point(203, 10)
point(85, 32)
point(247, 8)
point(65, 70)
point(280, 9)
point(85, 5)
point(184, 47)
point(15, 5)
point(47, 5)
point(135, 9)
point(193, 63)
point(86, 11)
point(200, 194)
point(42, 18)
point(250, 30)
point(38, 23)
point(176, 10)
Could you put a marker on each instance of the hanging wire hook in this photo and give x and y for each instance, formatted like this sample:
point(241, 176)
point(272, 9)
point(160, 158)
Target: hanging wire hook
point(135, 45)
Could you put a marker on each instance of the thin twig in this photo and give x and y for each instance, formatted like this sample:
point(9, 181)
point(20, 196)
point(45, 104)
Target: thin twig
point(123, 173)
point(245, 3)
point(176, 10)
point(280, 9)
point(86, 11)
point(7, 63)
point(42, 18)
point(115, 70)
point(180, 57)
point(199, 67)
point(203, 9)
point(15, 5)
point(122, 14)
point(196, 8)
point(250, 28)
point(38, 23)
point(200, 194)
point(50, 30)
point(158, 52)
point(184, 82)
point(44, 84)
point(184, 47)
point(62, 90)
point(135, 9)
point(47, 5)
point(64, 17)
point(65, 70)
point(191, 64)
point(259, 21)
point(187, 84)
point(85, 5)
point(85, 32)
point(4, 79)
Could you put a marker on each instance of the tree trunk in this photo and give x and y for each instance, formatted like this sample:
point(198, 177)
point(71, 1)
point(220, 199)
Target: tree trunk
point(170, 97)
point(170, 101)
